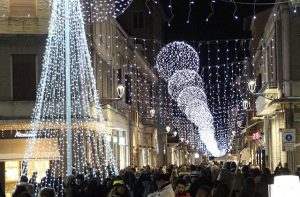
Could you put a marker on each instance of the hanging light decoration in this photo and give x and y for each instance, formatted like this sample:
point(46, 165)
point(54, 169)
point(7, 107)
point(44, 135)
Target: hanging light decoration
point(182, 79)
point(101, 10)
point(176, 56)
point(178, 63)
point(68, 87)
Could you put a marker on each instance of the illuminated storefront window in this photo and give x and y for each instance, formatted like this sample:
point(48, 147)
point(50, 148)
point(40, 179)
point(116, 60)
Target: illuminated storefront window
point(12, 175)
point(12, 171)
point(120, 144)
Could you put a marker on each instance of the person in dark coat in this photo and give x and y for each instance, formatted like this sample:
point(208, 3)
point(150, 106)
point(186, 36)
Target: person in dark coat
point(2, 194)
point(72, 189)
point(92, 189)
point(47, 192)
point(119, 188)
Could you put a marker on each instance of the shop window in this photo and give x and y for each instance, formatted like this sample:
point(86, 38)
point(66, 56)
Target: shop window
point(24, 77)
point(12, 176)
point(12, 171)
point(138, 20)
point(21, 8)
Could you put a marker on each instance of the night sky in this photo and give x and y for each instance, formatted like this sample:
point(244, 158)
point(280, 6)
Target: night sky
point(221, 25)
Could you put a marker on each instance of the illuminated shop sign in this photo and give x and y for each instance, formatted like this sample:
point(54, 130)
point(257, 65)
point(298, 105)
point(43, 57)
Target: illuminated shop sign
point(24, 135)
point(256, 136)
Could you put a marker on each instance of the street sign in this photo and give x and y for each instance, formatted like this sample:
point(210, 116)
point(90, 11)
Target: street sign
point(289, 139)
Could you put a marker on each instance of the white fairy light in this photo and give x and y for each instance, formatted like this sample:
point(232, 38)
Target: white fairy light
point(178, 63)
point(182, 79)
point(100, 10)
point(49, 114)
point(176, 56)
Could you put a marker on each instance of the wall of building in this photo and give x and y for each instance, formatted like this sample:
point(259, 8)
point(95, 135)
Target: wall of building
point(29, 24)
point(10, 45)
point(281, 76)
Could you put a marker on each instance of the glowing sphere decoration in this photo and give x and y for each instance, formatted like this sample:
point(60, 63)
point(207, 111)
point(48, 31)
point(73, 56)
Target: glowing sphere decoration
point(189, 94)
point(182, 79)
point(178, 64)
point(101, 10)
point(176, 56)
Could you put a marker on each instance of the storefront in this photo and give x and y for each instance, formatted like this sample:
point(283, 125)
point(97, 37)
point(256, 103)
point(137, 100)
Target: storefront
point(145, 148)
point(119, 140)
point(12, 153)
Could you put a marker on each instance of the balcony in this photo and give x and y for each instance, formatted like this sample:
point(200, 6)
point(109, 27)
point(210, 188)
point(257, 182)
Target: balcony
point(266, 94)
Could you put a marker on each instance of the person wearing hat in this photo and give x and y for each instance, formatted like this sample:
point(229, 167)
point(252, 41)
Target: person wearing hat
point(164, 186)
point(119, 188)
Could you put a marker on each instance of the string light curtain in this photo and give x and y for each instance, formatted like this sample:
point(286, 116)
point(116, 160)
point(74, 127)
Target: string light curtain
point(90, 147)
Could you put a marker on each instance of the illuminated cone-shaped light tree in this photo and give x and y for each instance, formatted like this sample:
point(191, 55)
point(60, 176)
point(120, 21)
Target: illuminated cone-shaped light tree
point(67, 122)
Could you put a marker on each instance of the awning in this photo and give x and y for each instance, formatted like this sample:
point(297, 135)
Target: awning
point(245, 154)
point(245, 129)
point(14, 149)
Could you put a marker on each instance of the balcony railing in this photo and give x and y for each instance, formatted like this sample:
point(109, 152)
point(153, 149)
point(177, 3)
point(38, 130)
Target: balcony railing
point(268, 85)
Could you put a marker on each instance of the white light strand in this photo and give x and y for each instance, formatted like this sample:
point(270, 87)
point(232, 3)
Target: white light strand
point(176, 56)
point(49, 114)
point(191, 100)
point(101, 10)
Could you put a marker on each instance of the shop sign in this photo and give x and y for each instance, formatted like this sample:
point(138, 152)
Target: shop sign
point(24, 135)
point(256, 136)
point(289, 139)
point(21, 134)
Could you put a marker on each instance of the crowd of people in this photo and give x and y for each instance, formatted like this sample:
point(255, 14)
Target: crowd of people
point(205, 180)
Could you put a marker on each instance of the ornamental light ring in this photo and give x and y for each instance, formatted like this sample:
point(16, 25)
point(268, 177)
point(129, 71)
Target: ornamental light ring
point(183, 79)
point(176, 56)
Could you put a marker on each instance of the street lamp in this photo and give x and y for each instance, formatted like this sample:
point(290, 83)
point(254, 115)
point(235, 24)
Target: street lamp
point(175, 133)
point(252, 85)
point(168, 128)
point(246, 104)
point(152, 112)
point(120, 91)
point(196, 155)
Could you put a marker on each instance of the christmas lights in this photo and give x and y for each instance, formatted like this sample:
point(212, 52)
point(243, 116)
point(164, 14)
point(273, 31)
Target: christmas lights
point(220, 74)
point(176, 56)
point(182, 79)
point(88, 143)
point(100, 10)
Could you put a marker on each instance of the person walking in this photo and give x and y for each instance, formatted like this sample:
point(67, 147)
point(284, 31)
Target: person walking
point(164, 186)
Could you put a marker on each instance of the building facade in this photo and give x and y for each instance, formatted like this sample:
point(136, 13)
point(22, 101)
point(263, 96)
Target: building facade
point(276, 67)
point(23, 33)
